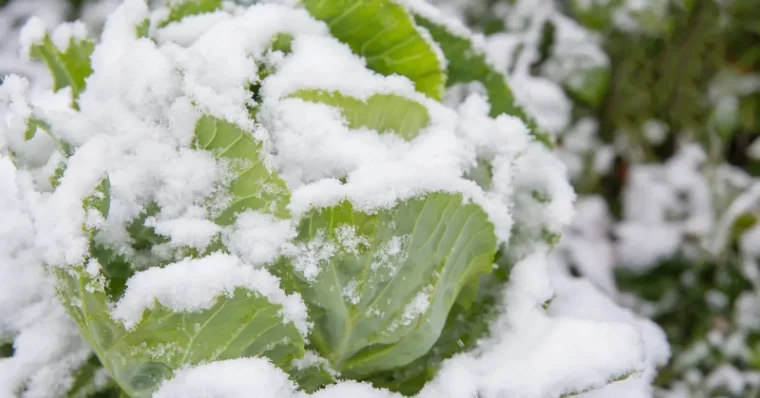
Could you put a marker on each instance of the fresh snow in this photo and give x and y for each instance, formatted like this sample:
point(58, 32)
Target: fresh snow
point(195, 284)
point(46, 343)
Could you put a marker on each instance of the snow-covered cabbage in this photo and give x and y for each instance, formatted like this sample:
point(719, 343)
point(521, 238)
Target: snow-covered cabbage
point(274, 198)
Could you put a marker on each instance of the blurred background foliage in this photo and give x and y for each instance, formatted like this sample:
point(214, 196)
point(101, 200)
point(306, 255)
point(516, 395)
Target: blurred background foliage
point(683, 76)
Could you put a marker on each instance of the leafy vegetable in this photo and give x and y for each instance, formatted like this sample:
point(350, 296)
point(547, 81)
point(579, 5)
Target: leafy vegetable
point(381, 112)
point(383, 271)
point(69, 68)
point(255, 187)
point(383, 296)
point(244, 324)
point(240, 324)
point(467, 322)
point(385, 35)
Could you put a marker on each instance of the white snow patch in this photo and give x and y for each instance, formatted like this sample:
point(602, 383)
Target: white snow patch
point(195, 284)
point(65, 33)
point(258, 238)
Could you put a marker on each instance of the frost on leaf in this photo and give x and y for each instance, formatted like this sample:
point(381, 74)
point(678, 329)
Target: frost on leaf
point(371, 314)
point(254, 186)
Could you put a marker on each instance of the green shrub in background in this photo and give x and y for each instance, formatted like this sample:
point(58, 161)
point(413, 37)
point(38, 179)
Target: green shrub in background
point(693, 67)
point(680, 96)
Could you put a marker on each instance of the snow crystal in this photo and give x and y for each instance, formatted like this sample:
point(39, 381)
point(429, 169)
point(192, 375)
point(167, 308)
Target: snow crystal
point(418, 306)
point(185, 231)
point(310, 256)
point(349, 241)
point(390, 253)
point(350, 293)
point(258, 238)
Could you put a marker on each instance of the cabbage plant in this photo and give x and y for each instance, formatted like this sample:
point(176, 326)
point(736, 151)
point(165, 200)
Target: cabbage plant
point(289, 181)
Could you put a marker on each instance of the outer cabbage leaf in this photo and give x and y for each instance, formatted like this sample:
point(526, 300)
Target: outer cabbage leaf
point(384, 33)
point(254, 187)
point(69, 68)
point(467, 323)
point(381, 112)
point(468, 64)
point(242, 324)
point(387, 280)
